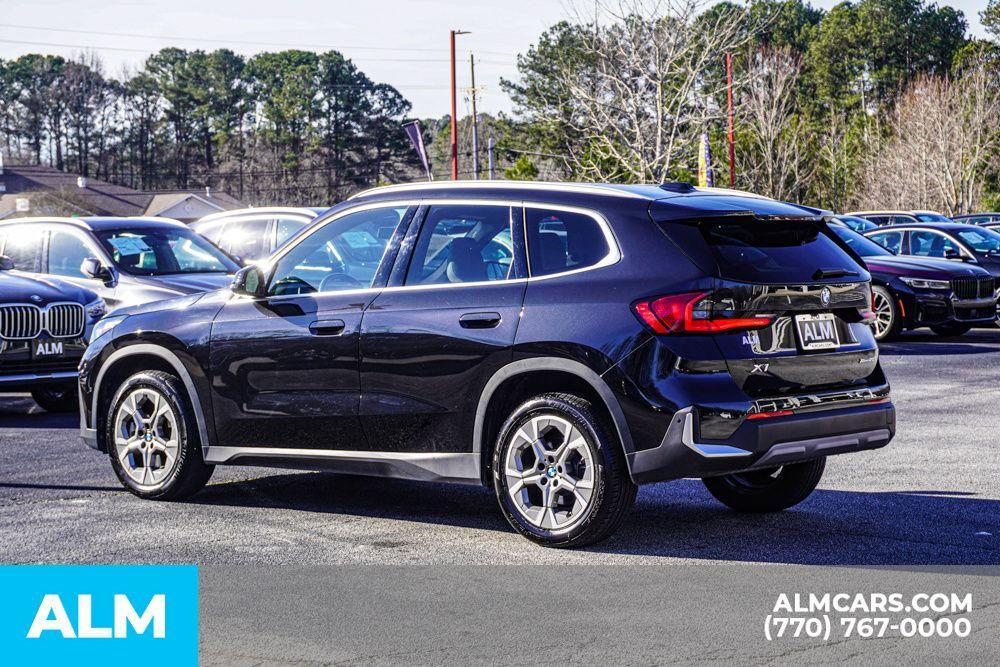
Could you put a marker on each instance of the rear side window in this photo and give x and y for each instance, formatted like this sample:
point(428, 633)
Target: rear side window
point(24, 247)
point(560, 241)
point(775, 251)
point(891, 240)
point(247, 239)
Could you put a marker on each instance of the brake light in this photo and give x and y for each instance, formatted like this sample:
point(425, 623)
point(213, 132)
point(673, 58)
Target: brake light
point(868, 314)
point(692, 312)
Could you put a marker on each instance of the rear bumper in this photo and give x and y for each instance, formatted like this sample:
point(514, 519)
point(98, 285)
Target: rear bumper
point(762, 443)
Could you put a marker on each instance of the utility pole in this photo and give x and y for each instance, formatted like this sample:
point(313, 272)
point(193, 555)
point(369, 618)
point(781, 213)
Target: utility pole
point(475, 119)
point(454, 109)
point(729, 113)
point(489, 156)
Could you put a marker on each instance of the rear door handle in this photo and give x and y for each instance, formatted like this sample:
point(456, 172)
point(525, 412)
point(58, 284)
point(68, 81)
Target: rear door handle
point(479, 320)
point(327, 327)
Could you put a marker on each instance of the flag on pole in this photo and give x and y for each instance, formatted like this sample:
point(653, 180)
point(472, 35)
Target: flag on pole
point(417, 137)
point(705, 179)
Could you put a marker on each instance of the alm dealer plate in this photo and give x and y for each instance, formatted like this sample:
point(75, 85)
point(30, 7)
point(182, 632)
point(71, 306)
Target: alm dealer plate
point(817, 332)
point(41, 348)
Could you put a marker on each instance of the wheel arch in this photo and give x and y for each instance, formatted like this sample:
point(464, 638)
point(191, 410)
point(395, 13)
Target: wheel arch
point(519, 380)
point(135, 358)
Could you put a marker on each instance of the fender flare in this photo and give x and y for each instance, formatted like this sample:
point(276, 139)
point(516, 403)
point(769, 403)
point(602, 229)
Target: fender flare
point(182, 372)
point(553, 364)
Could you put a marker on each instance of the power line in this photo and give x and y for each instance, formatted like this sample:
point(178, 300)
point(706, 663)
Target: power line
point(122, 48)
point(293, 45)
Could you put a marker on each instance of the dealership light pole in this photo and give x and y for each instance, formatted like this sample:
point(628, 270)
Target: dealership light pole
point(729, 115)
point(454, 109)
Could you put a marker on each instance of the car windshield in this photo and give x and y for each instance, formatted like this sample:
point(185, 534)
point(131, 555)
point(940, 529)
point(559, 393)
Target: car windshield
point(163, 251)
point(984, 241)
point(932, 217)
point(858, 243)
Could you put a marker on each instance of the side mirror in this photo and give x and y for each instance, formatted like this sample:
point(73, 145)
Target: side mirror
point(6, 263)
point(249, 281)
point(92, 268)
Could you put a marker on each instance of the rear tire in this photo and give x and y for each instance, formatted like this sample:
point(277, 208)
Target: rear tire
point(888, 319)
point(152, 438)
point(559, 473)
point(56, 399)
point(768, 490)
point(951, 329)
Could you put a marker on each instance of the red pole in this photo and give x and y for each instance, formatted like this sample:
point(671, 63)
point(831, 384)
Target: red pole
point(729, 134)
point(454, 111)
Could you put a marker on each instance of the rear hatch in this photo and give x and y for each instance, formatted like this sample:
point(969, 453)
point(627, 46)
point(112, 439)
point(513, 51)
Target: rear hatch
point(796, 295)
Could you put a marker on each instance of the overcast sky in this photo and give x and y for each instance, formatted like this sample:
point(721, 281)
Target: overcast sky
point(401, 42)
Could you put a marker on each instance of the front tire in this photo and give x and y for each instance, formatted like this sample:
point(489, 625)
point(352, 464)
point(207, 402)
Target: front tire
point(559, 473)
point(56, 399)
point(951, 329)
point(152, 438)
point(888, 319)
point(768, 490)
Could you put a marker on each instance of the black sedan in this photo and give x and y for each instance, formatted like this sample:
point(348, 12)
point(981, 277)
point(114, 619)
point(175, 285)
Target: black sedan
point(911, 292)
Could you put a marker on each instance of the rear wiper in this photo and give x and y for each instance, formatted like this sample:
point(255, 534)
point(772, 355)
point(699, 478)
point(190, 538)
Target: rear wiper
point(833, 273)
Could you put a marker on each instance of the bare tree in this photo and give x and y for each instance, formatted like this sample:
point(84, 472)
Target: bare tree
point(944, 132)
point(778, 147)
point(649, 87)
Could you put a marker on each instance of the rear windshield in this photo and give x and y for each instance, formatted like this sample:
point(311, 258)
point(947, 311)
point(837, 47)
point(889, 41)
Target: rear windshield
point(777, 251)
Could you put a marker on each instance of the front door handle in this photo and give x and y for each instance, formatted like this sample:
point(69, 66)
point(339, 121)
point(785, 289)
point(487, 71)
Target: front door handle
point(327, 327)
point(479, 320)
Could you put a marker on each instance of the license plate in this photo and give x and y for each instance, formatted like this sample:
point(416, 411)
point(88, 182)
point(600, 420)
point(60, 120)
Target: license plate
point(46, 348)
point(817, 332)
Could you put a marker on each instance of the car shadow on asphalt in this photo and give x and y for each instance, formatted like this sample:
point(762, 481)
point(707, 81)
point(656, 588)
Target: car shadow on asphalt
point(923, 343)
point(680, 520)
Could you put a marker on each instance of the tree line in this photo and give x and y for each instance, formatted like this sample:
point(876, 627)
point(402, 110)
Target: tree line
point(872, 104)
point(291, 126)
point(875, 103)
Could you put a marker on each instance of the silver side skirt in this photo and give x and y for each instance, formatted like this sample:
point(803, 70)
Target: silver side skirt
point(429, 467)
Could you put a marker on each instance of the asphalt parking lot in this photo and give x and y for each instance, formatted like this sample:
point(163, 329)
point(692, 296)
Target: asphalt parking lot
point(929, 499)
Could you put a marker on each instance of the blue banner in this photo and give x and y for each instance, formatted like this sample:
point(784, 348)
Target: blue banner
point(99, 614)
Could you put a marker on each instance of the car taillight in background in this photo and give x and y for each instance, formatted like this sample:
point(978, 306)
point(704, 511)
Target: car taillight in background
point(694, 312)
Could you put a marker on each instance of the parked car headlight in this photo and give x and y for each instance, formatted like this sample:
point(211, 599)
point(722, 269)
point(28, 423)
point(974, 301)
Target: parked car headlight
point(924, 283)
point(96, 310)
point(105, 325)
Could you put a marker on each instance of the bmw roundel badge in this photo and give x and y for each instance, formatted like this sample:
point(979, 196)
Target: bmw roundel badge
point(824, 296)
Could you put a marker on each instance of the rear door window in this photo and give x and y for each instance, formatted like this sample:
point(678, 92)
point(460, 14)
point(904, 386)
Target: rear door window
point(462, 244)
point(23, 245)
point(891, 240)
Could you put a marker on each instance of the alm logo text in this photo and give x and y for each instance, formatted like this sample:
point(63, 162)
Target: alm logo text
point(51, 617)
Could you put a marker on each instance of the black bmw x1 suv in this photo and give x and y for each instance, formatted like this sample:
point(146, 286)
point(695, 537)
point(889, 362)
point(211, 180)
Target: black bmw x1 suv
point(559, 343)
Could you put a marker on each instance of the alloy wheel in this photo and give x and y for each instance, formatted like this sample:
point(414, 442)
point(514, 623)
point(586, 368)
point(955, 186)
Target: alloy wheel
point(549, 470)
point(883, 314)
point(146, 437)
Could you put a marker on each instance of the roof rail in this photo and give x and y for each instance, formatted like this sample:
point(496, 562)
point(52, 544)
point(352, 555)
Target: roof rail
point(589, 188)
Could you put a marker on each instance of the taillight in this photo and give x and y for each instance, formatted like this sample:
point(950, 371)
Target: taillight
point(868, 314)
point(692, 312)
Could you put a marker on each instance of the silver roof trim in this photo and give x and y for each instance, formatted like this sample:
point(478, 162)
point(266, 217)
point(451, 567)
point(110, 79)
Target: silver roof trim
point(583, 188)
